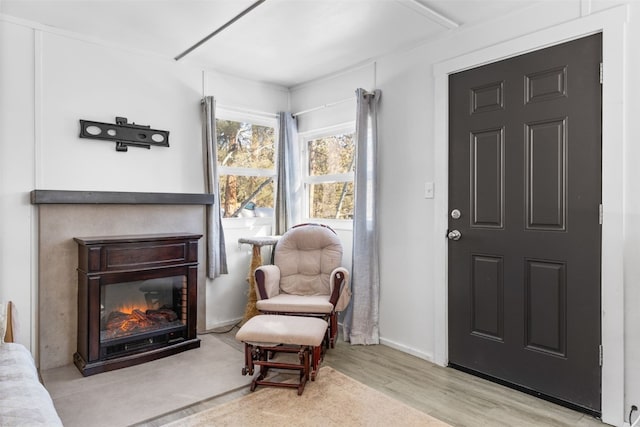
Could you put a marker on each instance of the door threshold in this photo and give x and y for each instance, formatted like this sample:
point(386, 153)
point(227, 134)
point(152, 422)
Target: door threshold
point(594, 413)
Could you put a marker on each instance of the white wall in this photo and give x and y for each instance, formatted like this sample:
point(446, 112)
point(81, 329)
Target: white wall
point(240, 95)
point(81, 80)
point(331, 101)
point(49, 80)
point(17, 263)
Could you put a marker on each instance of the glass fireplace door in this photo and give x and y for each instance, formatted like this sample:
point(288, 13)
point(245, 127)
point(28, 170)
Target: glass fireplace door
point(141, 314)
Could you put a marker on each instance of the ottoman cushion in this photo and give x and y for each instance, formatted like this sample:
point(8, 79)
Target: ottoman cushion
point(272, 328)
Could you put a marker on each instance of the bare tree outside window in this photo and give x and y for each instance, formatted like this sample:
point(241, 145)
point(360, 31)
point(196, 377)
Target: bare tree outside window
point(331, 163)
point(246, 155)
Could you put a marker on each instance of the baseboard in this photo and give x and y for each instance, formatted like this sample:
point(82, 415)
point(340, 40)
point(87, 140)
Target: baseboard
point(401, 347)
point(223, 324)
point(405, 349)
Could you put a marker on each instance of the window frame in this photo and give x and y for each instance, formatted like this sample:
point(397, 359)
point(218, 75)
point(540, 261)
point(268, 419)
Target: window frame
point(307, 179)
point(266, 120)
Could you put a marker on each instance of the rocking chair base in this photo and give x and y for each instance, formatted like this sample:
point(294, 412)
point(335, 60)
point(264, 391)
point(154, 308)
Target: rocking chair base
point(266, 335)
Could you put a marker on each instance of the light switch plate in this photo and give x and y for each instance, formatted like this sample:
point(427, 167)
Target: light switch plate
point(428, 190)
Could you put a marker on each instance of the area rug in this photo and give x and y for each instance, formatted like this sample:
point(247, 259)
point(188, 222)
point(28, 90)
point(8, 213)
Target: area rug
point(333, 399)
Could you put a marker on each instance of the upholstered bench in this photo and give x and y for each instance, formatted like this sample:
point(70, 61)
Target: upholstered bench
point(268, 334)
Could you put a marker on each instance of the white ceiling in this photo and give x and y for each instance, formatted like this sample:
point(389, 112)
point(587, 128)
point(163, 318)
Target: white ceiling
point(285, 42)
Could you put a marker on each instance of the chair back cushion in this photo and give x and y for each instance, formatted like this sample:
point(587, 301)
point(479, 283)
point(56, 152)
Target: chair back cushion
point(306, 256)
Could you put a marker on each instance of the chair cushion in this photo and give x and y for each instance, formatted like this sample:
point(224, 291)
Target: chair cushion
point(306, 257)
point(286, 303)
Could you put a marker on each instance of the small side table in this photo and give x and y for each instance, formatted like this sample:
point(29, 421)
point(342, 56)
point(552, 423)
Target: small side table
point(256, 261)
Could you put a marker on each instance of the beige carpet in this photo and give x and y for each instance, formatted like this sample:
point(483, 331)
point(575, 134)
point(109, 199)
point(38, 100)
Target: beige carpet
point(332, 400)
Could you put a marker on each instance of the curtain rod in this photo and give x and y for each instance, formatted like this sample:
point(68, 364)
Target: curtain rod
point(242, 110)
point(246, 110)
point(330, 104)
point(224, 26)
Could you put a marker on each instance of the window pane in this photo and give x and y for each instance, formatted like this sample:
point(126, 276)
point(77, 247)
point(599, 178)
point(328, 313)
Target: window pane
point(245, 145)
point(253, 192)
point(332, 200)
point(331, 155)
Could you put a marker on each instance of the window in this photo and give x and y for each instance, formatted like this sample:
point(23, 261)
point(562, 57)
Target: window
point(246, 160)
point(330, 160)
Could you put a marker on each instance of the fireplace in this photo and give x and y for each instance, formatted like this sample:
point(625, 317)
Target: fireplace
point(137, 299)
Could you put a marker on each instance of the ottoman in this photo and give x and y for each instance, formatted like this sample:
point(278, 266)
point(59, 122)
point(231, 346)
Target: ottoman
point(267, 334)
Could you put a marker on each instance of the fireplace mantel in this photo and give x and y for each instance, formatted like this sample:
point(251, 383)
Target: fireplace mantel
point(64, 197)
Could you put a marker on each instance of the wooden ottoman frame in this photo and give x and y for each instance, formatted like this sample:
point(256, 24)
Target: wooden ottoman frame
point(267, 334)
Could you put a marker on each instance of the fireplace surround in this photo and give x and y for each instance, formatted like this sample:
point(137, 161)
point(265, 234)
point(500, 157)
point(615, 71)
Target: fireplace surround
point(62, 215)
point(137, 299)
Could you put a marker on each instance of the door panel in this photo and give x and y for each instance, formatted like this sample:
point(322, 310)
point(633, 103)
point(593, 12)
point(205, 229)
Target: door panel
point(525, 171)
point(546, 310)
point(545, 172)
point(487, 178)
point(487, 309)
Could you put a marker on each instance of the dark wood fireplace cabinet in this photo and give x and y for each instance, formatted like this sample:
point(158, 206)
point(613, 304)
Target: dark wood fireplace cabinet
point(137, 299)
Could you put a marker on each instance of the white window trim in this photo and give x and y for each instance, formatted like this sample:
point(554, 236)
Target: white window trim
point(239, 115)
point(329, 178)
point(246, 223)
point(226, 170)
point(260, 119)
point(305, 137)
point(346, 127)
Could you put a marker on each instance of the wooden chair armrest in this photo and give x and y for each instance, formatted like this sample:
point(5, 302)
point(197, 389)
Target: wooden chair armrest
point(340, 289)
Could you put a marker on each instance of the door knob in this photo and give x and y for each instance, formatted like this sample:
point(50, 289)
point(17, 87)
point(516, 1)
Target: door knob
point(454, 235)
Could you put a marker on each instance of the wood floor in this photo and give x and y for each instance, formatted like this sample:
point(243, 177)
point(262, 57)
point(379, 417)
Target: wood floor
point(452, 396)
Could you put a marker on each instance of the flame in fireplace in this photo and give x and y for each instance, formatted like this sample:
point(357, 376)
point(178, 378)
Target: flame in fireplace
point(130, 318)
point(128, 308)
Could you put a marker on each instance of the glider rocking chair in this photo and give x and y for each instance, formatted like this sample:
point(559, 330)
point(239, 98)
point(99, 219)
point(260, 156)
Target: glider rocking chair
point(306, 277)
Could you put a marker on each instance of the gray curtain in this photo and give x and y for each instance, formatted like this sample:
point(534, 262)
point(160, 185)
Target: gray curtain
point(360, 323)
point(288, 210)
point(216, 251)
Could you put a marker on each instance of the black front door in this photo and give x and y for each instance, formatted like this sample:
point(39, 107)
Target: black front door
point(525, 176)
